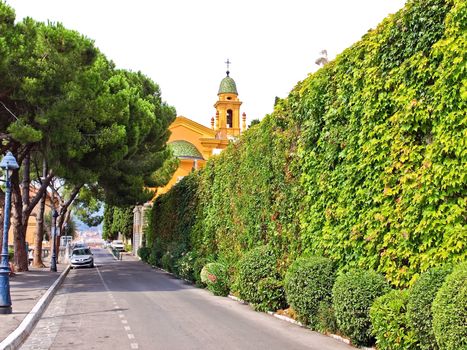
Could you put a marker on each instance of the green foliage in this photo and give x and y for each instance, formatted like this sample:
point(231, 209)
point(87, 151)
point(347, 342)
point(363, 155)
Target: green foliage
point(257, 264)
point(390, 323)
point(450, 311)
point(352, 296)
point(382, 167)
point(186, 266)
point(363, 162)
point(216, 278)
point(308, 284)
point(117, 220)
point(327, 321)
point(198, 265)
point(271, 295)
point(419, 305)
point(143, 253)
point(167, 262)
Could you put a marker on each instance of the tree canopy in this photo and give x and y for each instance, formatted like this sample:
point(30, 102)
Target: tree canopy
point(65, 106)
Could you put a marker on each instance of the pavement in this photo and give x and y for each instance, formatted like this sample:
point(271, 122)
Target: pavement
point(31, 292)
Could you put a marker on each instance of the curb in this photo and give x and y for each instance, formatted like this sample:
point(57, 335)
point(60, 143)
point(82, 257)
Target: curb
point(291, 320)
point(19, 335)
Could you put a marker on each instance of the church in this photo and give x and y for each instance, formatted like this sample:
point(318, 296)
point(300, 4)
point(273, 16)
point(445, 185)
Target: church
point(193, 143)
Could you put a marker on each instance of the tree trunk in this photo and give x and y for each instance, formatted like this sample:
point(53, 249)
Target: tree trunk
point(39, 235)
point(20, 217)
point(21, 256)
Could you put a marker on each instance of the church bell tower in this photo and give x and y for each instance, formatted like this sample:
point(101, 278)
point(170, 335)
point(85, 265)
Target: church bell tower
point(227, 108)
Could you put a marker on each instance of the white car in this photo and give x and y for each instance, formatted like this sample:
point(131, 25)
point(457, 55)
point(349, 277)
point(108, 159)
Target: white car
point(81, 257)
point(117, 245)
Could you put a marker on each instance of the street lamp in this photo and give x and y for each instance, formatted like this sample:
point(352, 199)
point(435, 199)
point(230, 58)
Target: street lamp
point(53, 260)
point(9, 164)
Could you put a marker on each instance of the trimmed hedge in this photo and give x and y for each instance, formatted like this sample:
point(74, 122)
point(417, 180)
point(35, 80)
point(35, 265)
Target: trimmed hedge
point(450, 311)
point(216, 278)
point(352, 296)
point(255, 265)
point(271, 295)
point(391, 328)
point(308, 283)
point(421, 298)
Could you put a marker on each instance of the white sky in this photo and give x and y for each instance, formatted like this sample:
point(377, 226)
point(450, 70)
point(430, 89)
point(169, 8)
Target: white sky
point(183, 44)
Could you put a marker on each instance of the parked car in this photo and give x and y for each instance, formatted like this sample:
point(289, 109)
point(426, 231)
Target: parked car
point(81, 257)
point(117, 245)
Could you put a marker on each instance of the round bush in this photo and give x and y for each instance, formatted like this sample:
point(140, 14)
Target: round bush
point(389, 321)
point(272, 295)
point(308, 283)
point(255, 265)
point(352, 295)
point(216, 278)
point(450, 311)
point(198, 265)
point(419, 312)
point(143, 253)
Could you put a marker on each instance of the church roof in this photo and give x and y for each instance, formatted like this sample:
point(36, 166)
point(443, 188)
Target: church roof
point(228, 86)
point(185, 149)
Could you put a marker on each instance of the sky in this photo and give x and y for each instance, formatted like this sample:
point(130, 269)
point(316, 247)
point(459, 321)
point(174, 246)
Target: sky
point(183, 44)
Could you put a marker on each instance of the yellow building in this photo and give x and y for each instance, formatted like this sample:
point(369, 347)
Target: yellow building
point(193, 143)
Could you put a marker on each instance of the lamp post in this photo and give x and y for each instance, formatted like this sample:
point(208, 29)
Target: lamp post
point(8, 163)
point(53, 259)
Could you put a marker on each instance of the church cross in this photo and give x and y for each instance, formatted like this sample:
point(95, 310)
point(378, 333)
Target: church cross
point(228, 63)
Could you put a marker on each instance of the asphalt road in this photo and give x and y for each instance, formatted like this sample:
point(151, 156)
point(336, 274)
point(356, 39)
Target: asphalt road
point(129, 305)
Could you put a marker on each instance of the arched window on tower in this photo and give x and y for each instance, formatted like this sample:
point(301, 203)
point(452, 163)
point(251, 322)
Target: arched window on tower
point(229, 118)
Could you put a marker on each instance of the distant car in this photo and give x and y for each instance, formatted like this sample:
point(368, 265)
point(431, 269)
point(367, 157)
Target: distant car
point(117, 245)
point(81, 257)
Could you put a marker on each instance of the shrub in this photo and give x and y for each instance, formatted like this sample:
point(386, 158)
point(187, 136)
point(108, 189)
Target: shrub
point(450, 311)
point(271, 295)
point(419, 306)
point(185, 266)
point(308, 282)
point(389, 321)
point(198, 265)
point(167, 262)
point(352, 295)
point(154, 257)
point(144, 253)
point(255, 265)
point(216, 278)
point(327, 322)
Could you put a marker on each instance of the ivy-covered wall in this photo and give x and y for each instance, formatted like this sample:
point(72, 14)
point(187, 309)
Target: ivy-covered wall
point(364, 162)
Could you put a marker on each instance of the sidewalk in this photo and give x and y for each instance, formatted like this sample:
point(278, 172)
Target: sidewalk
point(26, 290)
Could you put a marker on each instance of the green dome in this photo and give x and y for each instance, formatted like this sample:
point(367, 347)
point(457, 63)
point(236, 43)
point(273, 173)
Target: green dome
point(185, 149)
point(228, 86)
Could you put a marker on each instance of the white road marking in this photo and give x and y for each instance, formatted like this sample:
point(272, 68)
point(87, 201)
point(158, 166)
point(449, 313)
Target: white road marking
point(131, 336)
point(127, 328)
point(134, 345)
point(124, 321)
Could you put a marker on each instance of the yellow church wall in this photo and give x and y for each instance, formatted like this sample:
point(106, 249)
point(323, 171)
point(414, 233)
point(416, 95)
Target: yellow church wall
point(188, 130)
point(184, 168)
